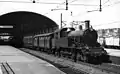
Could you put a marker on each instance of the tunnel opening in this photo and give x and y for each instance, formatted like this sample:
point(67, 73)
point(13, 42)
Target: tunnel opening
point(24, 23)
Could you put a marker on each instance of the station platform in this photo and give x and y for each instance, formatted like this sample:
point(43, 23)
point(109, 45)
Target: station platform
point(16, 61)
point(113, 52)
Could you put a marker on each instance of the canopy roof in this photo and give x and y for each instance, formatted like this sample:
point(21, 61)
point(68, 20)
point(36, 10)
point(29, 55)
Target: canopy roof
point(27, 22)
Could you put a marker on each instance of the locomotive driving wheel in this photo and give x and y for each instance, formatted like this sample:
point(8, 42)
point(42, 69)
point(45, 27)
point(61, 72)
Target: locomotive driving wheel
point(78, 57)
point(84, 58)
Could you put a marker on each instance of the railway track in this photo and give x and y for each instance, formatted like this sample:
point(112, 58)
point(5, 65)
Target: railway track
point(110, 68)
point(104, 68)
point(6, 69)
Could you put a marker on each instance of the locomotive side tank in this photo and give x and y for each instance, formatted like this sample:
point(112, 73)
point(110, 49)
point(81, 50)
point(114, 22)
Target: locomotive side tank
point(76, 37)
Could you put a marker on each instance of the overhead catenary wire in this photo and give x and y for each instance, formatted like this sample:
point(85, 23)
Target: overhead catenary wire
point(69, 3)
point(73, 1)
point(41, 2)
point(55, 8)
point(83, 5)
point(32, 2)
point(15, 1)
point(63, 3)
point(102, 6)
point(80, 4)
point(106, 2)
point(73, 5)
point(108, 23)
point(115, 3)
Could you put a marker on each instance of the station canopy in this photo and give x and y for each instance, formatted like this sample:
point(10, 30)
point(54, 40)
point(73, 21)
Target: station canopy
point(27, 22)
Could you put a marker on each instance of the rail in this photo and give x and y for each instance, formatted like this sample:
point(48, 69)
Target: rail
point(7, 69)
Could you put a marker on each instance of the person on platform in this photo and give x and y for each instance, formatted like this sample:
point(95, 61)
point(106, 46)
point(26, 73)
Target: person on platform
point(80, 27)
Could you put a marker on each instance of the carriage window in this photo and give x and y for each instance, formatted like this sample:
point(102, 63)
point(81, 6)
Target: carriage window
point(48, 37)
point(63, 34)
point(45, 37)
point(35, 38)
point(56, 35)
point(41, 38)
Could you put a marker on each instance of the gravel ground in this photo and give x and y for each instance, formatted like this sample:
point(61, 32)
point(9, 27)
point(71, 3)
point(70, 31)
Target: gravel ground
point(63, 68)
point(65, 65)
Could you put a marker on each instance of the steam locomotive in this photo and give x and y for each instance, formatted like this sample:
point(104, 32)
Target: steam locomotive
point(78, 45)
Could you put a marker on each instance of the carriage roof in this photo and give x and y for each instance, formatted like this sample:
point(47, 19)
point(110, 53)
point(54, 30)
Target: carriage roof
point(58, 30)
point(64, 29)
point(46, 34)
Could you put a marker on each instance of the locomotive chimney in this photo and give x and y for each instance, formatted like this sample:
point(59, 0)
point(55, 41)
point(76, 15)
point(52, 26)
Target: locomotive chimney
point(87, 24)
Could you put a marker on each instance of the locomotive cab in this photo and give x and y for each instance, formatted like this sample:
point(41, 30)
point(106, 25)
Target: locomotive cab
point(61, 37)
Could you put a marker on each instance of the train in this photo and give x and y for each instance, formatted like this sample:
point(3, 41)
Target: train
point(78, 45)
point(10, 39)
point(109, 37)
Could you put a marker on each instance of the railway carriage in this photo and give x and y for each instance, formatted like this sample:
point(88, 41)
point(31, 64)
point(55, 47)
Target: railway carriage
point(110, 37)
point(43, 41)
point(28, 41)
